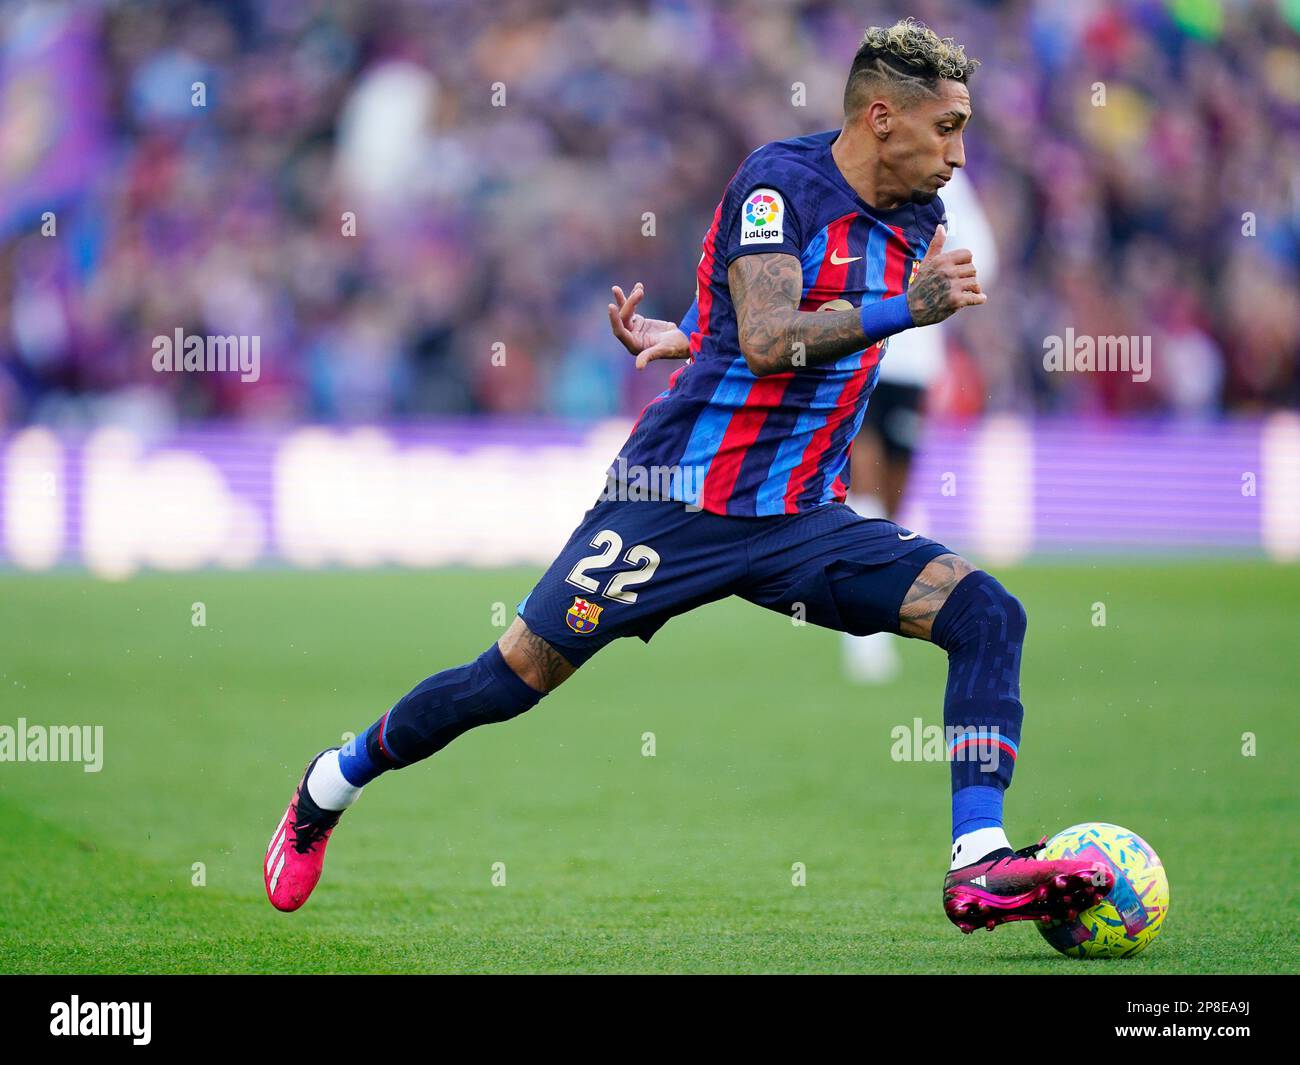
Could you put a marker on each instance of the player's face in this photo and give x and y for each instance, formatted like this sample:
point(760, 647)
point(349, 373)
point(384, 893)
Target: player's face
point(925, 143)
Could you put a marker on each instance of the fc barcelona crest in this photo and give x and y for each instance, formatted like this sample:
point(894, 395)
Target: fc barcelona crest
point(916, 265)
point(583, 617)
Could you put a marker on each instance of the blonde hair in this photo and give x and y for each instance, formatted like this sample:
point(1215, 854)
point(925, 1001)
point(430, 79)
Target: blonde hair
point(909, 58)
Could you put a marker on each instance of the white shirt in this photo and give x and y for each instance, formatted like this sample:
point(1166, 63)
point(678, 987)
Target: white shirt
point(915, 356)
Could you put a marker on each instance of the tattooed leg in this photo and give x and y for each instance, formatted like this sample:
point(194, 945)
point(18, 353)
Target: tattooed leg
point(538, 664)
point(928, 594)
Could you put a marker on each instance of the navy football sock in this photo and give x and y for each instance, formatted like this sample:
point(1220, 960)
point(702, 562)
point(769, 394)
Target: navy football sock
point(982, 627)
point(435, 712)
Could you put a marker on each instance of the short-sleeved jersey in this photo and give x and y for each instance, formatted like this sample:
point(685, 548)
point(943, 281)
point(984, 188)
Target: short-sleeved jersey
point(744, 445)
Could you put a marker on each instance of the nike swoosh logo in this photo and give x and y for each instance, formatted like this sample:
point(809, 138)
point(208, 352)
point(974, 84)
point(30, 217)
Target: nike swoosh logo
point(909, 536)
point(837, 261)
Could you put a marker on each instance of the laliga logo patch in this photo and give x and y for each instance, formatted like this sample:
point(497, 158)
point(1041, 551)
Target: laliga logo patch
point(583, 617)
point(761, 209)
point(764, 218)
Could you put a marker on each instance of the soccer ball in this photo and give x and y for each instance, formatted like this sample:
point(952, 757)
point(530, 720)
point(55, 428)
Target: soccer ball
point(1129, 918)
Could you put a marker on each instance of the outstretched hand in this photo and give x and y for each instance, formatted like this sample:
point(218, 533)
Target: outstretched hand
point(646, 338)
point(945, 282)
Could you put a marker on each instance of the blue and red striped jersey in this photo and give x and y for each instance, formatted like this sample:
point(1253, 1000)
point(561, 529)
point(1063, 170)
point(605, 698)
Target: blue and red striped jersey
point(744, 445)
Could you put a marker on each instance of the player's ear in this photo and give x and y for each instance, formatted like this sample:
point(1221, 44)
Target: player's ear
point(879, 118)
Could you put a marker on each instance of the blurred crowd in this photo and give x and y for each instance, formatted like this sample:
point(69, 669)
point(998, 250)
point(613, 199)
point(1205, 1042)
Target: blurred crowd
point(419, 207)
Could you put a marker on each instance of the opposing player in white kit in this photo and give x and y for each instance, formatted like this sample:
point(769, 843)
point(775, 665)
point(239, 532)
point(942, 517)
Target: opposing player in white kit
point(883, 450)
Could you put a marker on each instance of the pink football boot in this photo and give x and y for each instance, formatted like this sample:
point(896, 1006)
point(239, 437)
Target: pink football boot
point(1014, 886)
point(296, 854)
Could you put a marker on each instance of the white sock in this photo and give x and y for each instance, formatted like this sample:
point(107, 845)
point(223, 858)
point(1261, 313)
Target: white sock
point(328, 787)
point(972, 846)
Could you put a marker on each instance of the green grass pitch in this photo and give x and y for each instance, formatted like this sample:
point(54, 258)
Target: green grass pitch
point(615, 861)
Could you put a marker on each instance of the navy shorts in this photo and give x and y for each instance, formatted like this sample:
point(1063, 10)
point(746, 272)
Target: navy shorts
point(633, 564)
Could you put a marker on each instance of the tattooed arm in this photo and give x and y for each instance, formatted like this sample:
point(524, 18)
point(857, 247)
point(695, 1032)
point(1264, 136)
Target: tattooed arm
point(775, 336)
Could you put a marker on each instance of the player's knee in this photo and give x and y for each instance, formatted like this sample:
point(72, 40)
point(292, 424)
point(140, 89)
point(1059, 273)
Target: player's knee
point(505, 693)
point(979, 610)
point(1003, 607)
point(533, 660)
point(1017, 618)
point(448, 704)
